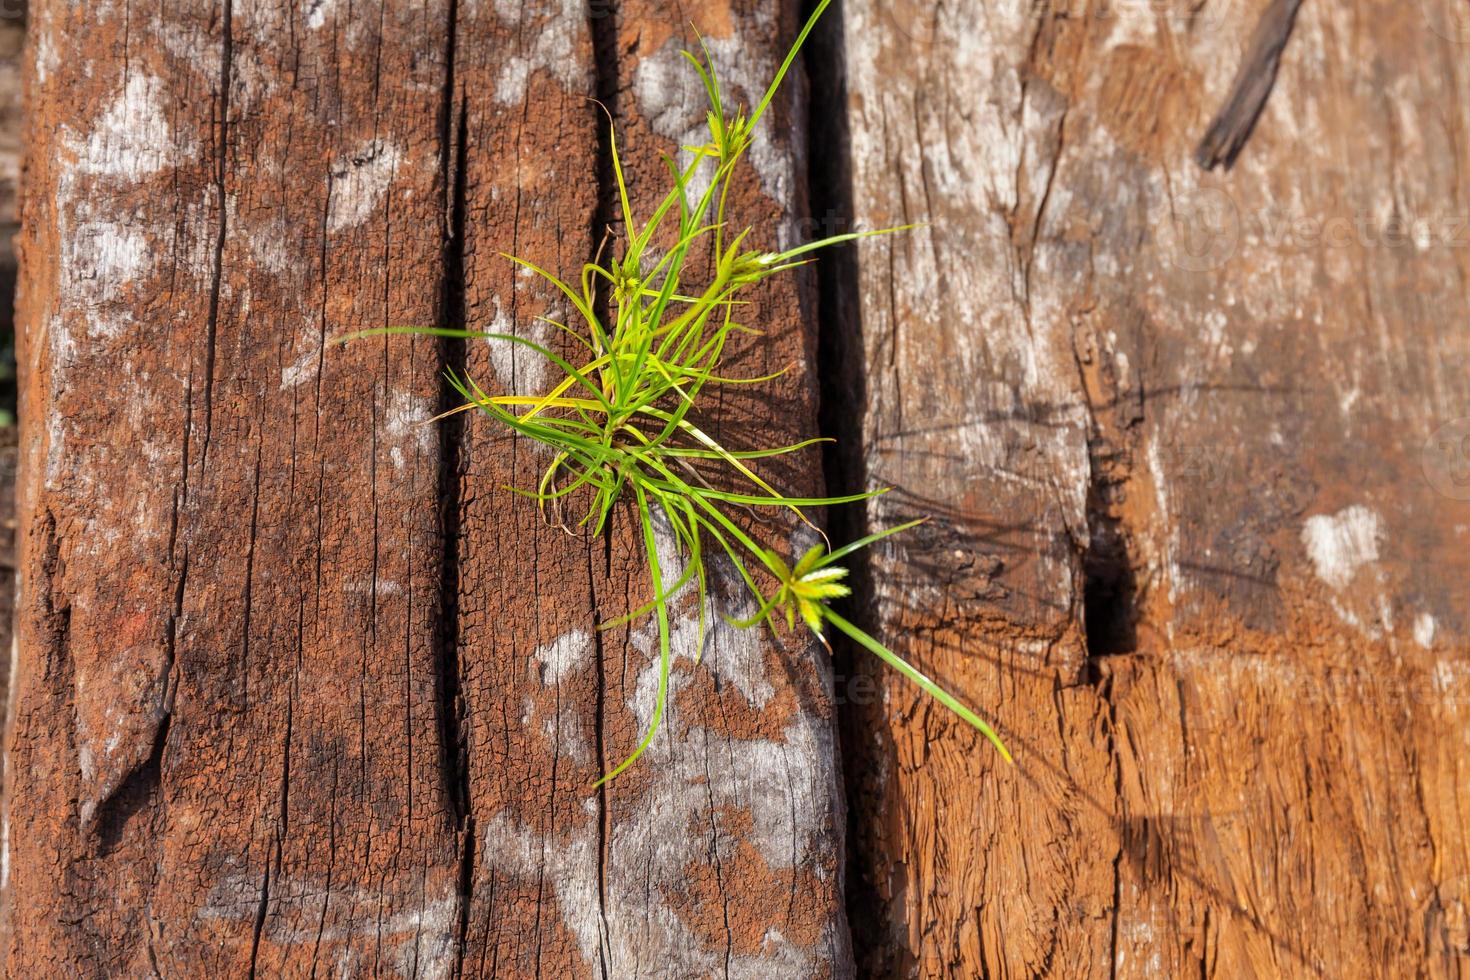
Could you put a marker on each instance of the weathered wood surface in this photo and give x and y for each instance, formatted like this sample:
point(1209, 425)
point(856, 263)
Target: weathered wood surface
point(1200, 550)
point(302, 690)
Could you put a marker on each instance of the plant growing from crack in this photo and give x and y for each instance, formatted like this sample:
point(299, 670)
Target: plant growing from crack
point(621, 422)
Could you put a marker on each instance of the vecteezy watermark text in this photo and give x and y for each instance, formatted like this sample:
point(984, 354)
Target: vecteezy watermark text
point(1206, 230)
point(1446, 460)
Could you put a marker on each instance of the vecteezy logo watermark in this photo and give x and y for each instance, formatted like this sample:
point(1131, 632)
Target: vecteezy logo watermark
point(1448, 919)
point(1198, 467)
point(921, 23)
point(1446, 460)
point(1284, 231)
point(1450, 19)
point(1201, 232)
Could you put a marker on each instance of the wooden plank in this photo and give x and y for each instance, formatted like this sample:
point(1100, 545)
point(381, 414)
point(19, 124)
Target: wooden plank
point(754, 766)
point(526, 176)
point(225, 744)
point(12, 42)
point(720, 852)
point(1197, 546)
point(324, 697)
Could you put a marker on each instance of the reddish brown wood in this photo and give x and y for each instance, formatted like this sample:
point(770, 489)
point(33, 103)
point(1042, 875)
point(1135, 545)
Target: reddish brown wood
point(225, 747)
point(303, 690)
point(649, 875)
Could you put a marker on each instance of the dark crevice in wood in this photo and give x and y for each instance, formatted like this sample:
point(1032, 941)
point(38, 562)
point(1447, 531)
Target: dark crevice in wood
point(137, 791)
point(227, 55)
point(1109, 587)
point(1111, 597)
point(1105, 692)
point(841, 396)
point(1236, 120)
point(840, 368)
point(55, 624)
point(599, 738)
point(603, 27)
point(141, 787)
point(273, 868)
point(449, 696)
point(258, 925)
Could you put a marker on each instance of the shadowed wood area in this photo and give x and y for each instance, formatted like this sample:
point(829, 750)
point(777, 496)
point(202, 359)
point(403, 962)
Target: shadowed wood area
point(1195, 449)
point(303, 690)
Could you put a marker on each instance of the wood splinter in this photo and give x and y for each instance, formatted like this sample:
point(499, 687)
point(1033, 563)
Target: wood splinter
point(1235, 121)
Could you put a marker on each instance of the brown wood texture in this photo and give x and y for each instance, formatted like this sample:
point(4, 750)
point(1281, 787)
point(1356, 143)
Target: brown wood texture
point(1196, 449)
point(302, 689)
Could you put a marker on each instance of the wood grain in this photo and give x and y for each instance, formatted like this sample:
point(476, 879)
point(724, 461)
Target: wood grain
point(303, 690)
point(1175, 430)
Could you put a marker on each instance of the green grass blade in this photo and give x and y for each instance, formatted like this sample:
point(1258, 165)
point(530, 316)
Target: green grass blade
point(862, 543)
point(929, 687)
point(662, 610)
point(765, 101)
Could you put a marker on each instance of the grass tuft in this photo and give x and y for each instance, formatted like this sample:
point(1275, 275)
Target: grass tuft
point(621, 422)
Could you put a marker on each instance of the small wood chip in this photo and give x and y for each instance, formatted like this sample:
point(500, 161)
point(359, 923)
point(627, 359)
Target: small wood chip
point(1235, 121)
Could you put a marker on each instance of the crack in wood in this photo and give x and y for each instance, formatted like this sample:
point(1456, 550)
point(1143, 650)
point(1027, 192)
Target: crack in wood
point(842, 393)
point(603, 28)
point(449, 699)
point(222, 168)
point(1256, 77)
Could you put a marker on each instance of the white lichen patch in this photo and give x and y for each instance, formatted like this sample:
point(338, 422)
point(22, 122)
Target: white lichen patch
point(317, 11)
point(562, 655)
point(302, 369)
point(694, 774)
point(733, 655)
point(568, 862)
point(416, 932)
point(99, 260)
point(566, 731)
point(785, 787)
point(407, 428)
point(132, 139)
point(44, 55)
point(1339, 544)
point(1169, 545)
point(56, 454)
point(548, 36)
point(1424, 629)
point(517, 366)
point(360, 182)
point(102, 255)
point(1451, 680)
point(671, 96)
